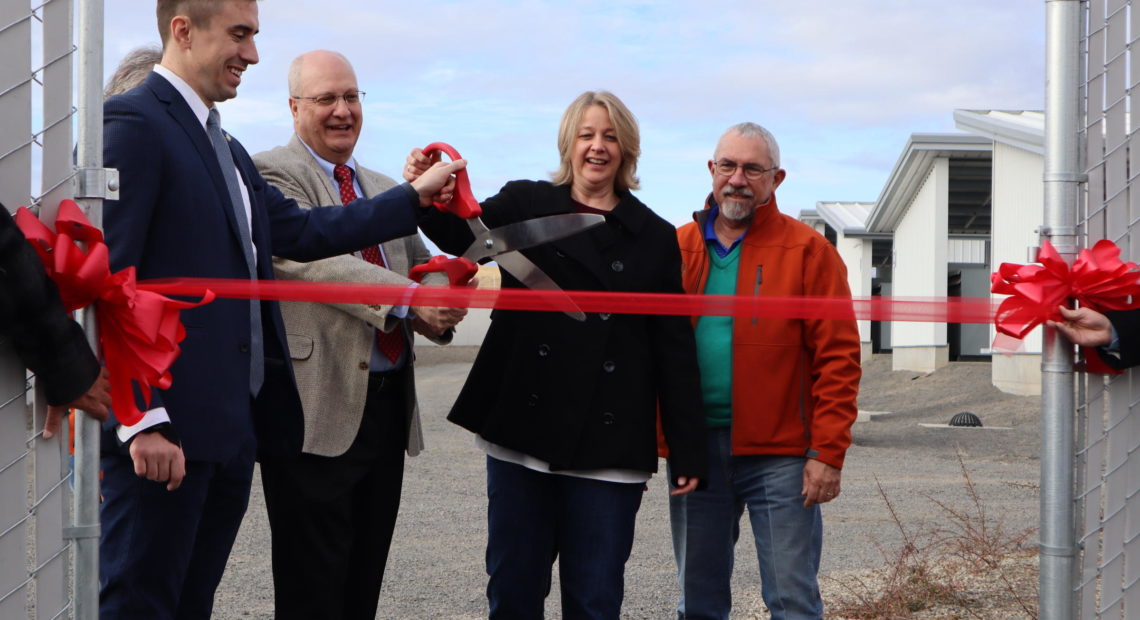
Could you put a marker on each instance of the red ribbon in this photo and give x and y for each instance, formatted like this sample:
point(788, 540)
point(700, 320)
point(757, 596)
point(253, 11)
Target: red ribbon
point(940, 310)
point(139, 330)
point(1098, 279)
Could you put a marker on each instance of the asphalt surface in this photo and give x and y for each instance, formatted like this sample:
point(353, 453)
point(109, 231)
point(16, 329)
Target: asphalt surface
point(436, 570)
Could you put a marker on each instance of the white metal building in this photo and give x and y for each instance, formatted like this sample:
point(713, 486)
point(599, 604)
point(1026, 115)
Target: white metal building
point(1018, 210)
point(954, 207)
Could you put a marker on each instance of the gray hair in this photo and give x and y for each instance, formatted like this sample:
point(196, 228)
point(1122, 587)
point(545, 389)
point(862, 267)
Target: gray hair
point(752, 130)
point(132, 70)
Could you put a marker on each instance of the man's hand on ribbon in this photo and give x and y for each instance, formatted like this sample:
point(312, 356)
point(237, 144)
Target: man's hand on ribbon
point(1084, 327)
point(95, 401)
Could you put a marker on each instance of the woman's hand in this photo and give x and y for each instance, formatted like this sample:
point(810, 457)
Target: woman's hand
point(685, 485)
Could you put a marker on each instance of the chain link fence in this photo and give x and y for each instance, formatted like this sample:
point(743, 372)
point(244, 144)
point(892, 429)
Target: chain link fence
point(36, 142)
point(37, 43)
point(1108, 419)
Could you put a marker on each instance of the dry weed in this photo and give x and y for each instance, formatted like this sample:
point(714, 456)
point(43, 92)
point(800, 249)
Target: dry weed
point(972, 567)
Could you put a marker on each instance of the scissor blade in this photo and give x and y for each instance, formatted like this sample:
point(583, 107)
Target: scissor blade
point(529, 233)
point(530, 275)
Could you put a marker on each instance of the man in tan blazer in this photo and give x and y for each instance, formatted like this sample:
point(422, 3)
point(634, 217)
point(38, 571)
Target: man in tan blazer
point(332, 509)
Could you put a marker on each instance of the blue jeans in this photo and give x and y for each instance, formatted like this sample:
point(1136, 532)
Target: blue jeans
point(535, 517)
point(789, 538)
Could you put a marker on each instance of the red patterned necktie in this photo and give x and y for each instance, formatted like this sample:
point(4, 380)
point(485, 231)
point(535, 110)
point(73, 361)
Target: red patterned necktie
point(391, 343)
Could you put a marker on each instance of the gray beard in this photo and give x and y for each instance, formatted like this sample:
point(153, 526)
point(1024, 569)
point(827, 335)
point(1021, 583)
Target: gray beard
point(736, 211)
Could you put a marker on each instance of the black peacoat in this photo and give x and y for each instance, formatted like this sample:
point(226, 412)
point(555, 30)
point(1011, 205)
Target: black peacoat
point(585, 395)
point(32, 317)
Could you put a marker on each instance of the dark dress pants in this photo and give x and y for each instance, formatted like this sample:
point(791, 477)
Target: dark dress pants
point(162, 553)
point(534, 518)
point(332, 517)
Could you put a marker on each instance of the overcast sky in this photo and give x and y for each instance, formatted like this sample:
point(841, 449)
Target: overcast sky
point(841, 83)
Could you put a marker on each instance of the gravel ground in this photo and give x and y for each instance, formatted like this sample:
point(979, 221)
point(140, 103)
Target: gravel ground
point(435, 569)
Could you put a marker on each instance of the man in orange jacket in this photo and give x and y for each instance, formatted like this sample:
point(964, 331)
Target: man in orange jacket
point(779, 394)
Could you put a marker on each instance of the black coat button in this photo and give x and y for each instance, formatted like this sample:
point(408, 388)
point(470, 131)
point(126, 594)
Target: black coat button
point(608, 366)
point(244, 347)
point(363, 365)
point(559, 254)
point(617, 266)
point(543, 350)
point(532, 400)
point(607, 418)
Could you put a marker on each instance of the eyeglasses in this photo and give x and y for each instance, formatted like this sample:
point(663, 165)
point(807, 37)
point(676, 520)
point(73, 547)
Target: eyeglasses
point(727, 167)
point(328, 99)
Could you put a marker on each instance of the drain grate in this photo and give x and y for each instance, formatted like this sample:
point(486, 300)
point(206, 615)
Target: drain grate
point(965, 418)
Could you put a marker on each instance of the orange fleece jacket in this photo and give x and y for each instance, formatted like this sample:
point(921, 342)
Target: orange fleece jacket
point(794, 381)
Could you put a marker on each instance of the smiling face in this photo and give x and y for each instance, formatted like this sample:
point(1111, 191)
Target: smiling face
point(211, 55)
point(737, 195)
point(596, 153)
point(330, 130)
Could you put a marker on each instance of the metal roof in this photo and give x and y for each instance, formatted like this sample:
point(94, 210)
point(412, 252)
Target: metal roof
point(1024, 129)
point(849, 218)
point(970, 167)
point(971, 172)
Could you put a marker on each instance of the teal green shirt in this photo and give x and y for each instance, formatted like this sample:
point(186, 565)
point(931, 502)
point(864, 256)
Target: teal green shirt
point(714, 342)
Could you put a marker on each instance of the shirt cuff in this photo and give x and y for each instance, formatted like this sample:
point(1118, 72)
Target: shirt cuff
point(149, 419)
point(402, 311)
point(1113, 345)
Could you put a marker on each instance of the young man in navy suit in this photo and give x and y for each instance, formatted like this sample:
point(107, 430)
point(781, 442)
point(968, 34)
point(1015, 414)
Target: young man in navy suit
point(192, 204)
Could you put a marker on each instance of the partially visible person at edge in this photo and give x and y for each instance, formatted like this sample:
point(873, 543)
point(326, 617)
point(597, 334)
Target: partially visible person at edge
point(47, 340)
point(332, 508)
point(132, 70)
point(176, 484)
point(779, 394)
point(566, 410)
point(1114, 334)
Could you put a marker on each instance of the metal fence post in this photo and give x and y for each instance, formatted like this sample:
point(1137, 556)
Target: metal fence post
point(89, 157)
point(1063, 176)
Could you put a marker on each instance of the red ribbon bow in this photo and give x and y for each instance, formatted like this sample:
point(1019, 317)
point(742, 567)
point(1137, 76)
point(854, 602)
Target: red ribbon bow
point(139, 329)
point(1098, 279)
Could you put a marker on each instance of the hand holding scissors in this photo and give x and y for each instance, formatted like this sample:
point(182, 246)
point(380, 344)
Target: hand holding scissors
point(501, 244)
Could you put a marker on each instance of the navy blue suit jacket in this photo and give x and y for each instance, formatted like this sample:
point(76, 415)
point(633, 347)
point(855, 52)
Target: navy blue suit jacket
point(1127, 324)
point(174, 219)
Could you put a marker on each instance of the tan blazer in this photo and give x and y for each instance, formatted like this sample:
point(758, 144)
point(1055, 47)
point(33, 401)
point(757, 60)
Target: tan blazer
point(331, 344)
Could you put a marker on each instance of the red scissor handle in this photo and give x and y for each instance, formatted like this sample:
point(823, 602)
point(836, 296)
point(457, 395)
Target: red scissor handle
point(463, 203)
point(459, 270)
